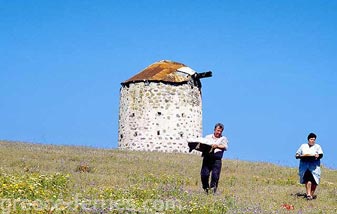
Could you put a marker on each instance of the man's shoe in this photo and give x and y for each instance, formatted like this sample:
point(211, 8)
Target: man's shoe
point(309, 197)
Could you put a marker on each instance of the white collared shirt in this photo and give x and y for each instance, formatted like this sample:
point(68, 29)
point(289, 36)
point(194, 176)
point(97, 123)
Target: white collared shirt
point(219, 141)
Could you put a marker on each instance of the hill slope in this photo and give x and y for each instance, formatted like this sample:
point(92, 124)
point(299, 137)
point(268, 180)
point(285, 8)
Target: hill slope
point(65, 179)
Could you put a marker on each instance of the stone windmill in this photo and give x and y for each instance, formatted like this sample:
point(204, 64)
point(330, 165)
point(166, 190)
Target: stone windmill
point(160, 107)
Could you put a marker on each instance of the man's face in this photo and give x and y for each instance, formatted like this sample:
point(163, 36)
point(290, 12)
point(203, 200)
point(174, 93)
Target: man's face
point(218, 132)
point(312, 141)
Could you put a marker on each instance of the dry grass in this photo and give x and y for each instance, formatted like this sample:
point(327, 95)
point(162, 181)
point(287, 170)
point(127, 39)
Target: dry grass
point(134, 181)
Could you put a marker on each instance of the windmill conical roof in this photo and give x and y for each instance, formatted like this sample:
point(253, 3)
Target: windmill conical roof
point(164, 70)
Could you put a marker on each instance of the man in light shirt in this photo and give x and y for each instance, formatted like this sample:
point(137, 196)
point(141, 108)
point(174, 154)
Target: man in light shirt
point(212, 161)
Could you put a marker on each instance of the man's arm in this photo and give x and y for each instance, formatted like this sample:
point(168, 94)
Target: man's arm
point(220, 146)
point(223, 145)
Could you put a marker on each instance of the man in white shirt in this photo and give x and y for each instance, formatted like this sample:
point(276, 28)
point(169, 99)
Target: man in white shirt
point(212, 161)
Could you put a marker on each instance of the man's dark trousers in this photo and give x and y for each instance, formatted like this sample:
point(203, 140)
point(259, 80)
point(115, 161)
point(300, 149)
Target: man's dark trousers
point(210, 164)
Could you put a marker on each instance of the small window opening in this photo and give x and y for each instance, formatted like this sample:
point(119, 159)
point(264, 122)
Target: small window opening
point(158, 132)
point(181, 134)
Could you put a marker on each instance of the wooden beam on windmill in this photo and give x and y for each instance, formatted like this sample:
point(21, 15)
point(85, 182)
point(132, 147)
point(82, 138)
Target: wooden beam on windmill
point(204, 74)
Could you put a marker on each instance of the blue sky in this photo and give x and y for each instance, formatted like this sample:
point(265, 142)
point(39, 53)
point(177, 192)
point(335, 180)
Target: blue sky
point(274, 69)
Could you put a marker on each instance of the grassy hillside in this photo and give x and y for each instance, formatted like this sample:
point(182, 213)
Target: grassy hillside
point(64, 179)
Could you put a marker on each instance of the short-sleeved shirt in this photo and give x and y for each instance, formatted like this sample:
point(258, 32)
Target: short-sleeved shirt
point(218, 153)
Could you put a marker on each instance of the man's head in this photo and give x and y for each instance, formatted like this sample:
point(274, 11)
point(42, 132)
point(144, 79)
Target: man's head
point(312, 139)
point(218, 128)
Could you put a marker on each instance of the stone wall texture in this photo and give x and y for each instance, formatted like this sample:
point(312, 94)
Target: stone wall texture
point(157, 116)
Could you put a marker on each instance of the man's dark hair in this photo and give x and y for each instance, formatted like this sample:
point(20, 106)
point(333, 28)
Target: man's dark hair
point(219, 125)
point(312, 135)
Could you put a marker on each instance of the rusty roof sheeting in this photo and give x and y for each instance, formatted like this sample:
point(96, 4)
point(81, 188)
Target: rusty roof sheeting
point(165, 70)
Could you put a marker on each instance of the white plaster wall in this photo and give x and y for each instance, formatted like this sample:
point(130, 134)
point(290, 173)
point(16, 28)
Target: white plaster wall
point(159, 116)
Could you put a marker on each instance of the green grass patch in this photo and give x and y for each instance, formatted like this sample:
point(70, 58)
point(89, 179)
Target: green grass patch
point(38, 178)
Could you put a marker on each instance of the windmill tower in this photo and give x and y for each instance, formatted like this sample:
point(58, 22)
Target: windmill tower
point(160, 107)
